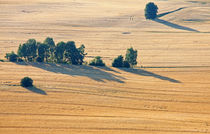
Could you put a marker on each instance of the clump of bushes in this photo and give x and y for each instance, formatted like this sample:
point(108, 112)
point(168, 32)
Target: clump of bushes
point(120, 62)
point(12, 57)
point(26, 82)
point(97, 61)
point(49, 52)
point(151, 11)
point(130, 59)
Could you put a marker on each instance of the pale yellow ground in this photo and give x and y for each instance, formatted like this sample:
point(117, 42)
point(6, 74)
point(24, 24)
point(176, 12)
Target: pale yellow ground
point(171, 95)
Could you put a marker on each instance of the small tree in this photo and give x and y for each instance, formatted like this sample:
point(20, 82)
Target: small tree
point(82, 53)
point(26, 82)
point(131, 56)
point(43, 52)
point(51, 44)
point(72, 54)
point(151, 11)
point(22, 51)
point(31, 49)
point(11, 56)
point(118, 62)
point(28, 50)
point(97, 61)
point(59, 52)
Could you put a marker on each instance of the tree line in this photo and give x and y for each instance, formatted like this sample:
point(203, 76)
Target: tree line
point(64, 52)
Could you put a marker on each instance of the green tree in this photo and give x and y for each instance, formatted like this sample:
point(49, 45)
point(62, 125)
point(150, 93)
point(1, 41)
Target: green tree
point(26, 82)
point(43, 52)
point(97, 61)
point(59, 52)
point(82, 53)
point(22, 51)
point(131, 56)
point(28, 50)
point(118, 62)
point(151, 10)
point(72, 54)
point(50, 42)
point(11, 56)
point(31, 49)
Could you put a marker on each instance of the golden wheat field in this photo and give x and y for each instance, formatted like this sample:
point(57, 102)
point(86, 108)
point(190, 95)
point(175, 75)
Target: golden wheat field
point(167, 93)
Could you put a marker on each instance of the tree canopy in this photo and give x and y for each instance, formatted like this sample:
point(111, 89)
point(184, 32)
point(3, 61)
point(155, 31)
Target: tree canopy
point(131, 56)
point(49, 52)
point(151, 10)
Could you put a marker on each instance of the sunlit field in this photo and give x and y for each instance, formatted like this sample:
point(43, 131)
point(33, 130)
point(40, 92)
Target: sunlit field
point(168, 92)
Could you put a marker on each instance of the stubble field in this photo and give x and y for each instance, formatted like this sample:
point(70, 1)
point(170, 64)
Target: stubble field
point(167, 93)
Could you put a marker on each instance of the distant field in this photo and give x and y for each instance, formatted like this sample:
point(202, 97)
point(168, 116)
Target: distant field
point(170, 95)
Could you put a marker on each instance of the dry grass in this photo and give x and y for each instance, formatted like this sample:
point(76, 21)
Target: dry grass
point(170, 97)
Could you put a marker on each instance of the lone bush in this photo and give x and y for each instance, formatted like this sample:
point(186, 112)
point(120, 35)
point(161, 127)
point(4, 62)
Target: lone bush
point(11, 56)
point(151, 11)
point(26, 82)
point(97, 61)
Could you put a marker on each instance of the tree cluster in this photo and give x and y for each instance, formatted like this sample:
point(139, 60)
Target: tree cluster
point(33, 51)
point(129, 61)
point(49, 52)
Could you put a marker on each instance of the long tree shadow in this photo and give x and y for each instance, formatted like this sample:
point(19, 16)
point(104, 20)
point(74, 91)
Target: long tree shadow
point(166, 13)
point(176, 26)
point(173, 25)
point(94, 73)
point(36, 90)
point(151, 74)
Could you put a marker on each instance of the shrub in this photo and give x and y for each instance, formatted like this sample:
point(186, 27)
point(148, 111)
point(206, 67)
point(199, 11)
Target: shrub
point(97, 61)
point(118, 62)
point(1, 60)
point(131, 56)
point(126, 64)
point(26, 82)
point(151, 11)
point(11, 56)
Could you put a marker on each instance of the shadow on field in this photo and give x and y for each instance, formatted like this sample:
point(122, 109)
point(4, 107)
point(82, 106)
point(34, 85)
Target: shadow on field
point(95, 73)
point(173, 25)
point(166, 13)
point(36, 90)
point(147, 73)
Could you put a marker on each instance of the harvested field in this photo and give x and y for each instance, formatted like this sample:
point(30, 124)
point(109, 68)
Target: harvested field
point(167, 93)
